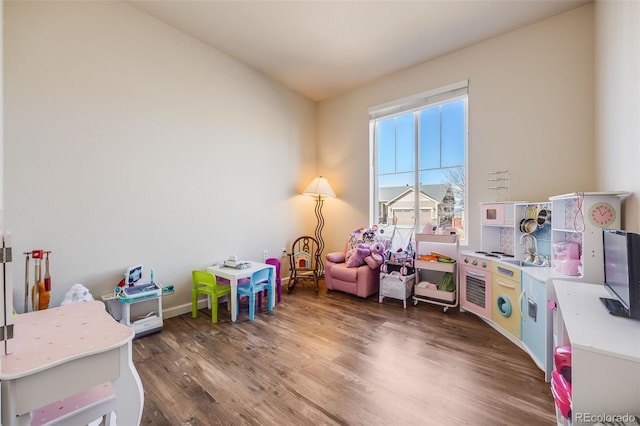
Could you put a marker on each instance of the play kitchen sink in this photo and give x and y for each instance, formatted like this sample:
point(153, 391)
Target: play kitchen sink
point(520, 263)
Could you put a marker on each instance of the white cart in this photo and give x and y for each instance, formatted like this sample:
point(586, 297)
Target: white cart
point(431, 272)
point(141, 309)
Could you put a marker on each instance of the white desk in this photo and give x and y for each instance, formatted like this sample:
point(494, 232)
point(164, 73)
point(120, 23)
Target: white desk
point(605, 351)
point(233, 275)
point(62, 351)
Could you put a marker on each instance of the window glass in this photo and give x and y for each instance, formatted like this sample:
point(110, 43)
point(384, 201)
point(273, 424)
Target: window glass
point(421, 161)
point(386, 146)
point(405, 139)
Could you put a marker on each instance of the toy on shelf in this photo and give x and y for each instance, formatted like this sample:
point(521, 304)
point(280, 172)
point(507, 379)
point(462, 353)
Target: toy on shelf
point(138, 303)
point(40, 292)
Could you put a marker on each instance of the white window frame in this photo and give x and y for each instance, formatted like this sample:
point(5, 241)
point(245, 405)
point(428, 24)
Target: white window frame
point(406, 105)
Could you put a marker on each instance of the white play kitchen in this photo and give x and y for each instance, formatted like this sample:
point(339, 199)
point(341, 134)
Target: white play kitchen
point(526, 248)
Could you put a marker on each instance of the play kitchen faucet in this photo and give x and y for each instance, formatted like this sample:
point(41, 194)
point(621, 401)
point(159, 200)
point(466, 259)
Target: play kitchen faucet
point(531, 250)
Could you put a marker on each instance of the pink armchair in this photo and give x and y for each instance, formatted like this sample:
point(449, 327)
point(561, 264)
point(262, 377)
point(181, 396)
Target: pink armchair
point(361, 280)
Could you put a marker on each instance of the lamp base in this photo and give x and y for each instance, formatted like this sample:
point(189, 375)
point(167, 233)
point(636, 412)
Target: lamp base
point(319, 226)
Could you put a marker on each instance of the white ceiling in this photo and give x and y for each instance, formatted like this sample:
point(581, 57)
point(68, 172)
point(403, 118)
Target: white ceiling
point(323, 48)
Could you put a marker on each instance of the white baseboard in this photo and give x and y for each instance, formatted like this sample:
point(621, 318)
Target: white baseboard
point(174, 311)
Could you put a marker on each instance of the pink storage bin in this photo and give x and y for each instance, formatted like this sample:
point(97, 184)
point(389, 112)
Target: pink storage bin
point(561, 391)
point(562, 361)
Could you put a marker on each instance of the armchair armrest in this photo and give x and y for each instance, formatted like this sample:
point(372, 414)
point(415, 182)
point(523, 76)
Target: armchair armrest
point(336, 257)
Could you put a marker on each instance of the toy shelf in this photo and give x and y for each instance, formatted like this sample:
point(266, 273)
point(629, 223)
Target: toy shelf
point(446, 245)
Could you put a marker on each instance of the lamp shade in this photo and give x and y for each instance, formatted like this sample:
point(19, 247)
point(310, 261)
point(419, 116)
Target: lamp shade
point(319, 187)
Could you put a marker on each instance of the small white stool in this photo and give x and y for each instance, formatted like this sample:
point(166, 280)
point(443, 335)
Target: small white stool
point(81, 408)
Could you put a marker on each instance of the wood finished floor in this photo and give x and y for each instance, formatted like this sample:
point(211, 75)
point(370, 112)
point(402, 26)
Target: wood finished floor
point(335, 359)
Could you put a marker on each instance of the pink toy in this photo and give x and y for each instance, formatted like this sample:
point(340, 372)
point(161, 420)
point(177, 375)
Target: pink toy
point(430, 228)
point(357, 255)
point(376, 258)
point(371, 254)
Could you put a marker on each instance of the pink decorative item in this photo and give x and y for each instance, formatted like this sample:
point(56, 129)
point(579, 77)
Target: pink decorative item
point(430, 228)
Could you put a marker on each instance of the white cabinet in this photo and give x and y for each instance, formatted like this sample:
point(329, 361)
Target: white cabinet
point(432, 271)
point(497, 214)
point(498, 223)
point(579, 218)
point(605, 369)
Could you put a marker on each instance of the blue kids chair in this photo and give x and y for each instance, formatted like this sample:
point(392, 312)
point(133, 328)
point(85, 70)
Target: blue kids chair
point(260, 280)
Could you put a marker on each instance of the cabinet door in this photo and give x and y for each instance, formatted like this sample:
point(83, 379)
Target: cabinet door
point(534, 318)
point(494, 214)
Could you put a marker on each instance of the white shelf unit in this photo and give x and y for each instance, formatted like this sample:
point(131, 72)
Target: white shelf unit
point(542, 233)
point(433, 271)
point(571, 223)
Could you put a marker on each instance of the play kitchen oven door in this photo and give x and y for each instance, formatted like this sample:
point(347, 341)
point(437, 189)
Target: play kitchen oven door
point(476, 282)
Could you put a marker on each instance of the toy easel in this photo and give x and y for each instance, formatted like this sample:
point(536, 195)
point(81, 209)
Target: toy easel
point(40, 292)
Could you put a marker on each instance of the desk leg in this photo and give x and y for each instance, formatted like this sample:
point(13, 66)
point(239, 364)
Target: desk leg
point(233, 282)
point(9, 417)
point(128, 389)
point(272, 295)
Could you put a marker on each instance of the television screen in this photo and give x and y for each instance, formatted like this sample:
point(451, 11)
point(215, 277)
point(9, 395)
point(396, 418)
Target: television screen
point(616, 264)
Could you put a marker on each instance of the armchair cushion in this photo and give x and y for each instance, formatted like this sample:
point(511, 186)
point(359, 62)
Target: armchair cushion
point(345, 274)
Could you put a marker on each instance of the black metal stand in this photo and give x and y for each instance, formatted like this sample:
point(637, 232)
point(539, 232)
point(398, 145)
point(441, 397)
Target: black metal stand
point(319, 226)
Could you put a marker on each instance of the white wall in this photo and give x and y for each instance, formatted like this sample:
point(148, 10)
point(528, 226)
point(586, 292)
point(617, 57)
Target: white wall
point(617, 29)
point(128, 142)
point(530, 111)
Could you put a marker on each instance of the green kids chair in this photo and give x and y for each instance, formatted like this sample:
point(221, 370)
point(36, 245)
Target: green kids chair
point(205, 283)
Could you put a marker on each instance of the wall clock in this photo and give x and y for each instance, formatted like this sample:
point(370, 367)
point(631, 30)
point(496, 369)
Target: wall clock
point(602, 214)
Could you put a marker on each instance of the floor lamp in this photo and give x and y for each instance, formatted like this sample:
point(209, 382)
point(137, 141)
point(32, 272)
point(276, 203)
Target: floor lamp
point(320, 189)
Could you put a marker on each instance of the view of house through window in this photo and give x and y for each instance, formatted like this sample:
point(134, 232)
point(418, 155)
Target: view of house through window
point(420, 160)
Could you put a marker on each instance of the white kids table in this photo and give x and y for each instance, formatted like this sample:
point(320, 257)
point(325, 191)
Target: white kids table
point(234, 275)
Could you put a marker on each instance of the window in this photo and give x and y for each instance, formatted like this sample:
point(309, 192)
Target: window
point(419, 159)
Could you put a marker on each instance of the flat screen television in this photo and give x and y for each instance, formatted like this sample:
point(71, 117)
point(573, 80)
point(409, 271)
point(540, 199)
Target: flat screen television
point(622, 272)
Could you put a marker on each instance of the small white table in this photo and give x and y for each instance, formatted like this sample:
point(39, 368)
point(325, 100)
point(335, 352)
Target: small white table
point(65, 350)
point(233, 275)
